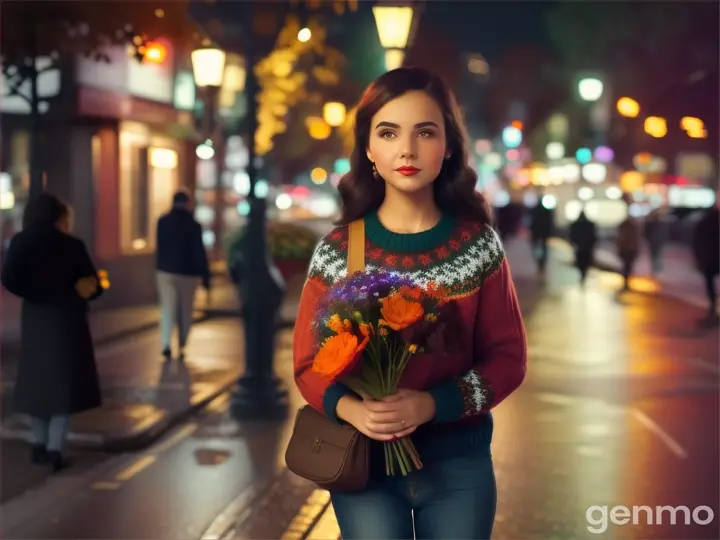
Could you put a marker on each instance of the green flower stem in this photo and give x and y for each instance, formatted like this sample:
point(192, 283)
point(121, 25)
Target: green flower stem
point(403, 455)
point(399, 456)
point(412, 451)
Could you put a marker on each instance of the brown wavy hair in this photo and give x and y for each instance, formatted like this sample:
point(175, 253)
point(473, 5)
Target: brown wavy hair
point(454, 188)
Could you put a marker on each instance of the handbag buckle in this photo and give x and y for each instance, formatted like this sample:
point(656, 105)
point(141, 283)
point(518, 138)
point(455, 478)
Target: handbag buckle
point(316, 445)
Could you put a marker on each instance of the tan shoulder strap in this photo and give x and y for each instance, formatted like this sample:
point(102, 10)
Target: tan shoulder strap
point(356, 246)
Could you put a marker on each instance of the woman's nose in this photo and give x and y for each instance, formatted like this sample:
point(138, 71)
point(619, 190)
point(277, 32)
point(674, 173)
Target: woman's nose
point(408, 148)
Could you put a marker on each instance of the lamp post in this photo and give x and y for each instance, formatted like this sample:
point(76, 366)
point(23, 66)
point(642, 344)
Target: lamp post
point(593, 93)
point(259, 393)
point(209, 71)
point(394, 23)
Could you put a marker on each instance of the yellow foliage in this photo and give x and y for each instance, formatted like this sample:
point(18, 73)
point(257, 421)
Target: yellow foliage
point(282, 83)
point(346, 133)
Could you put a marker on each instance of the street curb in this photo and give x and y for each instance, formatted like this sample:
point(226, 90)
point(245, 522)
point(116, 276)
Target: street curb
point(149, 431)
point(147, 435)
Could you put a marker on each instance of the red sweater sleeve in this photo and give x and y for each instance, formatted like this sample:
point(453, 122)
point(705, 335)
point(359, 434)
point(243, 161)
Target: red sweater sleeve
point(318, 391)
point(500, 353)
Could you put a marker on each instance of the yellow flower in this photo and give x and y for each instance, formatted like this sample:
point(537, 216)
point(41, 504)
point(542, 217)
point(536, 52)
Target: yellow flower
point(337, 325)
point(412, 348)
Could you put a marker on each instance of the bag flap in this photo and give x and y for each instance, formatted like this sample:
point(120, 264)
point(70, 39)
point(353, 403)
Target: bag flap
point(311, 424)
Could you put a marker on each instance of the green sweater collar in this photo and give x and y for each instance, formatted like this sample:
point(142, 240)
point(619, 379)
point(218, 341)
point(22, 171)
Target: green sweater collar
point(409, 242)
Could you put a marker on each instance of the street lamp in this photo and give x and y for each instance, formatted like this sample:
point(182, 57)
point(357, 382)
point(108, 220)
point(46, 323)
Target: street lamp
point(209, 71)
point(393, 25)
point(590, 88)
point(208, 66)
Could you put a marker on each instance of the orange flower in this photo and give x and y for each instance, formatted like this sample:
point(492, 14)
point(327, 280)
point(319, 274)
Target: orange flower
point(366, 329)
point(338, 355)
point(399, 313)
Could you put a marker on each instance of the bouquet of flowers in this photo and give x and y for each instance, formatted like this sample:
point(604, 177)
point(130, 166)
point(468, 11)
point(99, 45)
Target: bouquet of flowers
point(369, 327)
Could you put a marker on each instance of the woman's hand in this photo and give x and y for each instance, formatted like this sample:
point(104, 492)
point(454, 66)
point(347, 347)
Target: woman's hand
point(86, 287)
point(392, 417)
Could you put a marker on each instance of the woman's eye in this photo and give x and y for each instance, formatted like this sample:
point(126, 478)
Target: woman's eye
point(426, 133)
point(386, 134)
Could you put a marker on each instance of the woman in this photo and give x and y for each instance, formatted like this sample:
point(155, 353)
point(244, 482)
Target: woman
point(57, 376)
point(410, 182)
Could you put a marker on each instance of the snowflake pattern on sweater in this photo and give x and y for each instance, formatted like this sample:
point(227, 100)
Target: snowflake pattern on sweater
point(470, 256)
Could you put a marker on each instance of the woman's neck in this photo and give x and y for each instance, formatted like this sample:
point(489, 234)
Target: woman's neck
point(403, 213)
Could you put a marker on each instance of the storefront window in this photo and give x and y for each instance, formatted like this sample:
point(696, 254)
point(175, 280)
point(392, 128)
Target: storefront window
point(149, 177)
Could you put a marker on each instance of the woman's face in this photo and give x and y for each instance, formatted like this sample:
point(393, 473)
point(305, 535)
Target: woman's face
point(407, 142)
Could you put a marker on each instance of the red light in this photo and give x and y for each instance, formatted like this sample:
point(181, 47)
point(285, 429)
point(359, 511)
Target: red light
point(155, 52)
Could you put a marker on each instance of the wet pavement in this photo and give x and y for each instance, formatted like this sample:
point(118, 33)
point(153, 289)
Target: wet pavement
point(142, 393)
point(620, 408)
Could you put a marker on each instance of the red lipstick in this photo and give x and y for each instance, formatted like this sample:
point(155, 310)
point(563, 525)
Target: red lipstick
point(408, 170)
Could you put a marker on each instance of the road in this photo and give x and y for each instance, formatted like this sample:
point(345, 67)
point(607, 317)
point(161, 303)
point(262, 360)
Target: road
point(620, 407)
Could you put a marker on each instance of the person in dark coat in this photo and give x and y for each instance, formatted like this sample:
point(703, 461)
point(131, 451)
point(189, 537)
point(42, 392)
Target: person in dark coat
point(583, 236)
point(542, 223)
point(53, 274)
point(656, 232)
point(706, 249)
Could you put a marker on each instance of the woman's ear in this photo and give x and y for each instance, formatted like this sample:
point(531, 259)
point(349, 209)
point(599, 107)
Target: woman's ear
point(369, 156)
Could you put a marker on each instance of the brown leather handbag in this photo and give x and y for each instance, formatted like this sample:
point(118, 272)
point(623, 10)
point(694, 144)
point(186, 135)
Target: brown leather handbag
point(335, 457)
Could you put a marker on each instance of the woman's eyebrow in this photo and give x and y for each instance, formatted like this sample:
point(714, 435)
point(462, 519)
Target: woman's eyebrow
point(397, 126)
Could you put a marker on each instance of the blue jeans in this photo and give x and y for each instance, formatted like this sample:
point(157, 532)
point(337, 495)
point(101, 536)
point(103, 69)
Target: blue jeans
point(452, 497)
point(50, 432)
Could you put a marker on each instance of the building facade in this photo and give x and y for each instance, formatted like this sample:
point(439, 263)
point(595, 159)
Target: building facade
point(118, 139)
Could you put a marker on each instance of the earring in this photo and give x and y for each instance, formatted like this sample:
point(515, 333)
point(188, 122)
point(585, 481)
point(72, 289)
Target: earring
point(375, 173)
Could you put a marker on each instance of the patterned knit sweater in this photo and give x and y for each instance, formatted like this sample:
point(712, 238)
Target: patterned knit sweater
point(489, 361)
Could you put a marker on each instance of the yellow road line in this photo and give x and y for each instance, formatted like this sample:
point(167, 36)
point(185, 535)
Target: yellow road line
point(309, 512)
point(136, 467)
point(179, 436)
point(326, 528)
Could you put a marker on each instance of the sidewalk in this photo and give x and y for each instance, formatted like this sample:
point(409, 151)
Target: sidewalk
point(678, 279)
point(144, 396)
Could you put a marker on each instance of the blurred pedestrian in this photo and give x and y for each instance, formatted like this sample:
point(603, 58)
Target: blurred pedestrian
point(706, 249)
point(542, 223)
point(628, 248)
point(181, 262)
point(412, 193)
point(583, 237)
point(57, 376)
point(656, 232)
